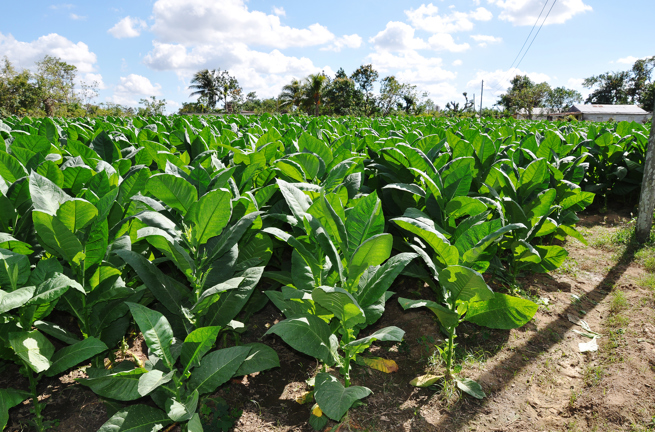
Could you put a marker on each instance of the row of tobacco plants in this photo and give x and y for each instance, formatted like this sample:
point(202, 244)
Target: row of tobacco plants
point(185, 227)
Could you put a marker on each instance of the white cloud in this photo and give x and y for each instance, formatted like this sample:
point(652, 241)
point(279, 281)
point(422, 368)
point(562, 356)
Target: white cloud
point(77, 17)
point(133, 87)
point(483, 40)
point(525, 12)
point(426, 17)
point(61, 6)
point(91, 78)
point(445, 42)
point(457, 63)
point(629, 60)
point(279, 11)
point(498, 81)
point(218, 22)
point(128, 27)
point(258, 71)
point(26, 54)
point(346, 41)
point(397, 36)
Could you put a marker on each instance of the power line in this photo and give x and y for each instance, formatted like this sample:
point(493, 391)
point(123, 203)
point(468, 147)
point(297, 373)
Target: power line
point(535, 36)
point(499, 82)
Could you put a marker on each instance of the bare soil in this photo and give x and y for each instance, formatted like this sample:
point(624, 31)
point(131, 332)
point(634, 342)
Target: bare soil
point(535, 377)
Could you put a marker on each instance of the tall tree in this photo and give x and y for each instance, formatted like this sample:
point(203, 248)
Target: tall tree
point(205, 85)
point(524, 94)
point(19, 94)
point(56, 81)
point(291, 96)
point(315, 86)
point(342, 96)
point(561, 99)
point(365, 76)
point(633, 86)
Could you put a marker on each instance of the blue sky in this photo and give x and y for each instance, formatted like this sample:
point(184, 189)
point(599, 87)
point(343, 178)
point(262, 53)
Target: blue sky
point(139, 48)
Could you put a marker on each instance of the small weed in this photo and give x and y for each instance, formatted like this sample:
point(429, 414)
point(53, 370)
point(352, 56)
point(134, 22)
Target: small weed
point(573, 398)
point(619, 302)
point(593, 375)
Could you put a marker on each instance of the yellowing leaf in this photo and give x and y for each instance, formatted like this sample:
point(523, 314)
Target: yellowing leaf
point(425, 380)
point(316, 410)
point(305, 398)
point(378, 363)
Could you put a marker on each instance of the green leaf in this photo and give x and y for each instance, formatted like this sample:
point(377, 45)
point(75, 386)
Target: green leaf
point(173, 191)
point(149, 381)
point(10, 398)
point(122, 386)
point(209, 215)
point(156, 331)
point(373, 287)
point(308, 334)
point(501, 312)
point(76, 213)
point(335, 399)
point(196, 345)
point(552, 257)
point(448, 318)
point(46, 196)
point(14, 299)
point(464, 284)
point(14, 269)
point(261, 357)
point(53, 288)
point(296, 199)
point(446, 253)
point(471, 387)
point(105, 147)
point(364, 221)
point(341, 303)
point(73, 355)
point(216, 368)
point(57, 237)
point(372, 252)
point(136, 418)
point(182, 411)
point(532, 177)
point(232, 301)
point(33, 348)
point(387, 334)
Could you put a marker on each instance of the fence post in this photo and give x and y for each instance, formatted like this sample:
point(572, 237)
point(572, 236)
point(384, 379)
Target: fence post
point(647, 199)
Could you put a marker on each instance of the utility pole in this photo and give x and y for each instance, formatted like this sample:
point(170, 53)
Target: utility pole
point(647, 199)
point(481, 94)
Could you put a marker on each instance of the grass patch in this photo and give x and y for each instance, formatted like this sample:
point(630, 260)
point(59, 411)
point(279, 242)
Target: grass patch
point(593, 375)
point(619, 302)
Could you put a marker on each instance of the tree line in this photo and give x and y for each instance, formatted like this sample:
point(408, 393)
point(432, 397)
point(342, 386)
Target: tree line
point(53, 89)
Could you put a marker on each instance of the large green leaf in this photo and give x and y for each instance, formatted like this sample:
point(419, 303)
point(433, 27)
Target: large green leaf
point(371, 252)
point(209, 215)
point(56, 236)
point(73, 355)
point(14, 299)
point(14, 269)
point(448, 318)
point(364, 221)
point(216, 368)
point(333, 398)
point(373, 285)
point(387, 334)
point(76, 213)
point(501, 312)
point(156, 331)
point(261, 357)
point(464, 284)
point(232, 301)
point(341, 303)
point(308, 334)
point(196, 345)
point(136, 418)
point(446, 253)
point(33, 348)
point(9, 398)
point(122, 386)
point(173, 191)
point(46, 196)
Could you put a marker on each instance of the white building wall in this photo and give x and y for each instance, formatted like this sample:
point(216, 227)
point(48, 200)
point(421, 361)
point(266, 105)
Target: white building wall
point(639, 118)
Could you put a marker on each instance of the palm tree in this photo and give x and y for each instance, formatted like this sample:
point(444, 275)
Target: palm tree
point(205, 83)
point(291, 96)
point(315, 86)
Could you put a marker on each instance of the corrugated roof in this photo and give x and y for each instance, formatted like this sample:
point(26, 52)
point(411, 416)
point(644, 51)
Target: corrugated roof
point(609, 109)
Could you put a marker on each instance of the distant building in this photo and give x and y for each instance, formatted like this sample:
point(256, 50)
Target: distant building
point(601, 113)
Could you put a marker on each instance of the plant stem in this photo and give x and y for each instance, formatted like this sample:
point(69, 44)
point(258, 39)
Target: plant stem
point(449, 355)
point(38, 419)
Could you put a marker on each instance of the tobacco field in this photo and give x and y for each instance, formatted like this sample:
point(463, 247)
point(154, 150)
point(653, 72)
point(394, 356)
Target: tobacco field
point(226, 246)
